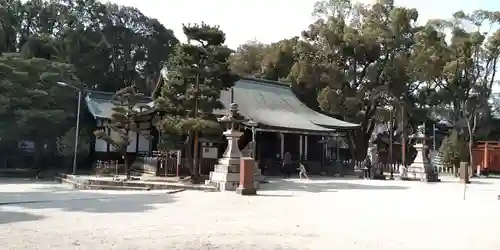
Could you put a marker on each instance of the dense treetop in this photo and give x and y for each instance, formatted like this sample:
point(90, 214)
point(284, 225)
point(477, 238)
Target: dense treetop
point(356, 62)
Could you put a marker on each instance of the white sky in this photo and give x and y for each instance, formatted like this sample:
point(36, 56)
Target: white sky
point(271, 20)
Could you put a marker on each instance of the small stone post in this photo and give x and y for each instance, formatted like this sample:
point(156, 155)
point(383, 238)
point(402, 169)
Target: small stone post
point(464, 172)
point(247, 186)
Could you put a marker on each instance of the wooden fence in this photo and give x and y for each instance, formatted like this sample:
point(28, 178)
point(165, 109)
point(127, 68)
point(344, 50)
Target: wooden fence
point(159, 166)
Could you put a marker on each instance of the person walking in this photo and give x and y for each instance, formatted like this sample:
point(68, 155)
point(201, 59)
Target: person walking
point(285, 165)
point(367, 165)
point(302, 171)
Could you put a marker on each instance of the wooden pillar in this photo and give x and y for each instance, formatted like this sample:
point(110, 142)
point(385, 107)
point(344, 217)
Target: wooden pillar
point(485, 160)
point(137, 139)
point(108, 130)
point(323, 154)
point(325, 147)
point(301, 137)
point(337, 152)
point(305, 147)
point(254, 143)
point(150, 142)
point(282, 147)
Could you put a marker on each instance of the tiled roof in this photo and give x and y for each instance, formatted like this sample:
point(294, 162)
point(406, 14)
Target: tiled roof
point(100, 106)
point(274, 104)
point(268, 103)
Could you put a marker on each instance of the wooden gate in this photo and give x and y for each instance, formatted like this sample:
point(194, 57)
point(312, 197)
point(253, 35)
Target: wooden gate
point(486, 155)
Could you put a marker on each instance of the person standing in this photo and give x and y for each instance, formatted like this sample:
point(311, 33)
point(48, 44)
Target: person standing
point(285, 165)
point(367, 165)
point(302, 171)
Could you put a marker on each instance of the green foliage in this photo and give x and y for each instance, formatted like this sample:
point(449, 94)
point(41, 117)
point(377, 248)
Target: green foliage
point(461, 73)
point(127, 109)
point(66, 143)
point(198, 73)
point(454, 150)
point(359, 60)
point(32, 106)
point(104, 46)
point(88, 34)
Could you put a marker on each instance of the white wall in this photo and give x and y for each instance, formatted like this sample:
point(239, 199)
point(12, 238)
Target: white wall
point(209, 152)
point(143, 144)
point(113, 135)
point(100, 145)
point(132, 138)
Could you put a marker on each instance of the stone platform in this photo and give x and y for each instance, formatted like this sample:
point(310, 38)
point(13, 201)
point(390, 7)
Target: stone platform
point(110, 183)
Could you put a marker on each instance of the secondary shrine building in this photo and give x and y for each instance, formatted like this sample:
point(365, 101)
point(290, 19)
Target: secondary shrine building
point(278, 123)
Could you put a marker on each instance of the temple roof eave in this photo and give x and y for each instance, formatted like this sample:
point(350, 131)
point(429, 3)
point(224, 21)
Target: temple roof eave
point(269, 104)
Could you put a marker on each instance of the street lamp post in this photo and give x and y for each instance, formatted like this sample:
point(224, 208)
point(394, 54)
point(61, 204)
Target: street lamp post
point(77, 121)
point(390, 144)
point(434, 136)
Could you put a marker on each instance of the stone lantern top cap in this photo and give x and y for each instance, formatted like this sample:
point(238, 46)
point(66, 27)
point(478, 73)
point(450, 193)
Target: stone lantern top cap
point(233, 116)
point(420, 134)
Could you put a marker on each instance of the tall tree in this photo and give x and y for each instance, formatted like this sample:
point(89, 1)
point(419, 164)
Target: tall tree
point(357, 58)
point(32, 106)
point(198, 72)
point(110, 46)
point(463, 69)
point(247, 60)
point(126, 111)
point(267, 61)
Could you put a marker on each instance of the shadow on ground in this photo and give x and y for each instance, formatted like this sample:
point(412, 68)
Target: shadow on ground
point(473, 181)
point(7, 217)
point(59, 196)
point(323, 185)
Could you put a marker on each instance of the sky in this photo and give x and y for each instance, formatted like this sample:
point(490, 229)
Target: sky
point(272, 20)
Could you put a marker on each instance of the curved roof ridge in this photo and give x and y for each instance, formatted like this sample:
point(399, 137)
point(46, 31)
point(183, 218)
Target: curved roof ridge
point(261, 80)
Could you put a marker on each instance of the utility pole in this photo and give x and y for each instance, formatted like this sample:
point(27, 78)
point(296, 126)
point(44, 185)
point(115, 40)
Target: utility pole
point(434, 137)
point(403, 137)
point(390, 143)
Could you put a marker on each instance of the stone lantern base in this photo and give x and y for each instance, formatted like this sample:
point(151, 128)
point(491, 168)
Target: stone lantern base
point(226, 174)
point(420, 169)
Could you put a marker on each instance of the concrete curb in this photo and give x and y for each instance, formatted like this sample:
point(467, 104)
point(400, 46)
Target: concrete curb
point(130, 185)
point(176, 191)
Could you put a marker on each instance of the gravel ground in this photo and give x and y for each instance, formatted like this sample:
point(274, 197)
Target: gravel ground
point(287, 214)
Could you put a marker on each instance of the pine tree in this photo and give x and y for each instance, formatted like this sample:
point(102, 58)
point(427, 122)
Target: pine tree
point(127, 109)
point(198, 72)
point(32, 106)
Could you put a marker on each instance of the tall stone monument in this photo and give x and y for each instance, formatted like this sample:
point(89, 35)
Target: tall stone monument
point(372, 154)
point(421, 168)
point(226, 174)
point(376, 170)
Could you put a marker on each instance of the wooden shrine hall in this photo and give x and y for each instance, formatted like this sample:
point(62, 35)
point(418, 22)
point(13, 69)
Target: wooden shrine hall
point(277, 122)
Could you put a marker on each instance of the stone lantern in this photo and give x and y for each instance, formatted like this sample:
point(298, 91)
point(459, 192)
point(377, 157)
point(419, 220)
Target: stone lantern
point(421, 168)
point(226, 174)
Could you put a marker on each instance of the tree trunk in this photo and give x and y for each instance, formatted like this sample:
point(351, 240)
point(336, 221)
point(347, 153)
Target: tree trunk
point(196, 162)
point(38, 156)
point(471, 144)
point(189, 155)
point(126, 164)
point(362, 140)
